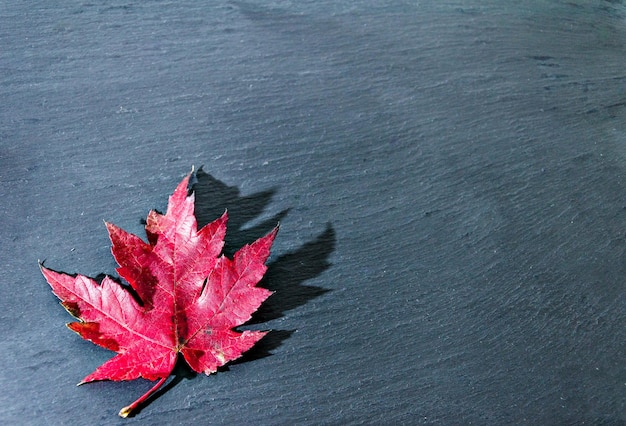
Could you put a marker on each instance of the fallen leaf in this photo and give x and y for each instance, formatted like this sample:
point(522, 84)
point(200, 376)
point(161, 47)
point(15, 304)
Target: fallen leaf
point(188, 299)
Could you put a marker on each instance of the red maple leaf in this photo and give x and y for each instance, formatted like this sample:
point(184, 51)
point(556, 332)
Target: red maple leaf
point(191, 298)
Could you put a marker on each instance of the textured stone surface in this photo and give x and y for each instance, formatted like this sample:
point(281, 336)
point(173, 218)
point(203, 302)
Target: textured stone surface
point(449, 178)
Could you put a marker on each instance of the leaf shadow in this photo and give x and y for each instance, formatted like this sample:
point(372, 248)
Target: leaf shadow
point(214, 196)
point(286, 275)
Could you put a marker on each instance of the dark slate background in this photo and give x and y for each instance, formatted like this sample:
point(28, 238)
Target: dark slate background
point(449, 178)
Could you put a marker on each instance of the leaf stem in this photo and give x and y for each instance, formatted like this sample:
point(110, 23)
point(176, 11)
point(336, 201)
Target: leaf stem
point(125, 412)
